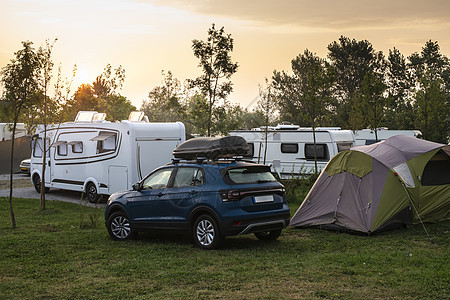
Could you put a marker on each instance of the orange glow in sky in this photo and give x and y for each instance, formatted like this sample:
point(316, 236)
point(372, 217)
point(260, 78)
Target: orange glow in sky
point(148, 36)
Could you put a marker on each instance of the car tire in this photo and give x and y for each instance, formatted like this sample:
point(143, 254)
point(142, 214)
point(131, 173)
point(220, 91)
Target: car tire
point(37, 184)
point(206, 233)
point(92, 193)
point(119, 227)
point(268, 235)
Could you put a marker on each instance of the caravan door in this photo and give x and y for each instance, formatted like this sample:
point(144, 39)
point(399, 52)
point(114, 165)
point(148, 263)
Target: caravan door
point(154, 153)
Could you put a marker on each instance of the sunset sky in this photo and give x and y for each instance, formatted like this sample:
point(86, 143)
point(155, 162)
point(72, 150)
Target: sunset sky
point(148, 36)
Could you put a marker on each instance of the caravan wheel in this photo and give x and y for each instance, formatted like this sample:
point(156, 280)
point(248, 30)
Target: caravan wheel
point(91, 192)
point(37, 184)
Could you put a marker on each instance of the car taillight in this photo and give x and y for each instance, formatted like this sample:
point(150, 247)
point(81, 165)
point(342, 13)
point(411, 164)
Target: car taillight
point(230, 195)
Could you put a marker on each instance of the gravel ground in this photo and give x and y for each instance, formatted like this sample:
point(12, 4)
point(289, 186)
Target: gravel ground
point(23, 188)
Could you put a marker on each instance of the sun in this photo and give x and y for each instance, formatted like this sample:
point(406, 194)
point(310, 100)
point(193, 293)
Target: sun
point(84, 75)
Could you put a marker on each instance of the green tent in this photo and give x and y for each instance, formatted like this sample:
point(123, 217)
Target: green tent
point(399, 181)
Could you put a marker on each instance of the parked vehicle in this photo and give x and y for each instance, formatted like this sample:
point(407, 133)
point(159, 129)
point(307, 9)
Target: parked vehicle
point(289, 149)
point(205, 197)
point(25, 166)
point(6, 131)
point(367, 136)
point(97, 157)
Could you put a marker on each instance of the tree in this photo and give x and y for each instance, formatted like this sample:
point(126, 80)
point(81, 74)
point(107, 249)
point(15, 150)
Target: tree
point(307, 93)
point(400, 111)
point(372, 102)
point(430, 70)
point(102, 96)
point(45, 54)
point(20, 80)
point(217, 67)
point(266, 105)
point(351, 60)
point(163, 104)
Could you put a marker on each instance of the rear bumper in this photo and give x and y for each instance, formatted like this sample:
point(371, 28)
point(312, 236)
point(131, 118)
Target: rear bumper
point(238, 227)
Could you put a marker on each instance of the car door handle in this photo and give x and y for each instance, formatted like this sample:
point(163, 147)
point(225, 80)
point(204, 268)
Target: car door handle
point(193, 192)
point(160, 194)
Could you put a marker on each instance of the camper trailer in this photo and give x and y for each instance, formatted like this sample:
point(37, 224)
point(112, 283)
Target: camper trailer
point(367, 136)
point(98, 157)
point(289, 149)
point(6, 131)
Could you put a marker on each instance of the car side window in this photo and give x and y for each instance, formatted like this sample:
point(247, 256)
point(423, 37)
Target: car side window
point(158, 180)
point(188, 177)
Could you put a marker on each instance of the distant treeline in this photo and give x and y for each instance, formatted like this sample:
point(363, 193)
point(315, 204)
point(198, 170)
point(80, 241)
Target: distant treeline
point(354, 87)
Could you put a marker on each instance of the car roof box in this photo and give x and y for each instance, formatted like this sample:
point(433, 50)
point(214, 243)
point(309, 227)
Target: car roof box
point(211, 148)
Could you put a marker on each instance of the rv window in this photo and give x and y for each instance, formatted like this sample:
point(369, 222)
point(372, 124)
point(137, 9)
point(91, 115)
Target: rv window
point(188, 177)
point(370, 142)
point(289, 148)
point(250, 153)
point(62, 149)
point(77, 147)
point(106, 141)
point(37, 149)
point(321, 151)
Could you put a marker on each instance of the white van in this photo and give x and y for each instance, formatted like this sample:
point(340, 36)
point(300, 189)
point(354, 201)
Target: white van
point(98, 157)
point(367, 136)
point(289, 149)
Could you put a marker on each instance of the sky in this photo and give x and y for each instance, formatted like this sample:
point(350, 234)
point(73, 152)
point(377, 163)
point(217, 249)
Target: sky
point(146, 37)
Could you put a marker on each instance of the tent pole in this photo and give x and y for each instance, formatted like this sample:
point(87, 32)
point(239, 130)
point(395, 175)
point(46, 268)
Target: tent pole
point(415, 209)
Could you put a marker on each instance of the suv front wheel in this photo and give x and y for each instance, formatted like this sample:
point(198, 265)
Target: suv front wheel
point(206, 233)
point(119, 227)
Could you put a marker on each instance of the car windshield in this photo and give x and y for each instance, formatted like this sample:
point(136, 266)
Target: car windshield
point(250, 174)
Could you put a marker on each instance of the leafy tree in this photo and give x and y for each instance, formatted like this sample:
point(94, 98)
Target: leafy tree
point(351, 60)
point(163, 104)
point(307, 93)
point(400, 112)
point(20, 80)
point(102, 96)
point(217, 67)
point(430, 71)
point(372, 102)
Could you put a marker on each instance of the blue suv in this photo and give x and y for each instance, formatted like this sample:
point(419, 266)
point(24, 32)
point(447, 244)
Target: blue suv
point(208, 199)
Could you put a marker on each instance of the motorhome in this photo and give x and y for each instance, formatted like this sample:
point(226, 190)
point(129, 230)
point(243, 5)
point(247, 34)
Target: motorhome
point(289, 149)
point(367, 136)
point(98, 157)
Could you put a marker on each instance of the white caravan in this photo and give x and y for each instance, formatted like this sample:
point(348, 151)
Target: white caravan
point(367, 136)
point(289, 149)
point(98, 157)
point(6, 131)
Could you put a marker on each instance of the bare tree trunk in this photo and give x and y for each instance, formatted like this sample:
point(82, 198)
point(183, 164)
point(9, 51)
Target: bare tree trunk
point(315, 155)
point(44, 157)
point(13, 218)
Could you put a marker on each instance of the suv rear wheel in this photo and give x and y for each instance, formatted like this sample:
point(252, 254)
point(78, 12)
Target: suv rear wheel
point(268, 235)
point(206, 233)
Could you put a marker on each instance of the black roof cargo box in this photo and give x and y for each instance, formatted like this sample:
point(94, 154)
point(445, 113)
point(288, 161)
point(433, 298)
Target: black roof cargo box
point(211, 148)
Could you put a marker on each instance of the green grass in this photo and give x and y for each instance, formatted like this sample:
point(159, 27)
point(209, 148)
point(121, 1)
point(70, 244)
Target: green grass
point(49, 256)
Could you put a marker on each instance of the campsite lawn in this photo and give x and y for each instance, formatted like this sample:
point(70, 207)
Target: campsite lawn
point(50, 256)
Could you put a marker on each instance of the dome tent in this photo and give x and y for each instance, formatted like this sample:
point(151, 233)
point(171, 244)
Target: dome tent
point(367, 189)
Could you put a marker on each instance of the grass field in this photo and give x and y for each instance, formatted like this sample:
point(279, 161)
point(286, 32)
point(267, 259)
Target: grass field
point(50, 256)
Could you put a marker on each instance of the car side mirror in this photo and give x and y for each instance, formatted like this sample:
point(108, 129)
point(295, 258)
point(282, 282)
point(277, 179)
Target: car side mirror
point(136, 186)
